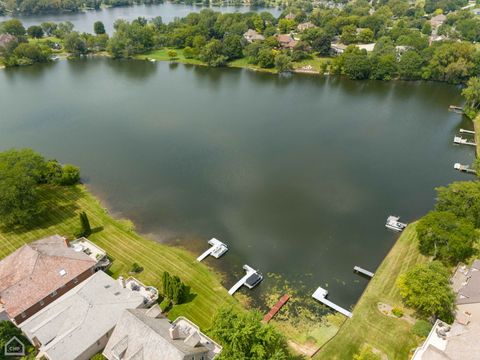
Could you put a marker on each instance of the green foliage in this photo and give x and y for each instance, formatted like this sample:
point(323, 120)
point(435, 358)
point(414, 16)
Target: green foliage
point(75, 43)
point(9, 330)
point(421, 328)
point(461, 198)
point(85, 224)
point(13, 27)
point(212, 54)
point(98, 356)
point(446, 237)
point(20, 171)
point(70, 175)
point(35, 31)
point(27, 54)
point(244, 336)
point(232, 46)
point(136, 268)
point(172, 54)
point(426, 288)
point(472, 96)
point(174, 289)
point(99, 28)
point(283, 63)
point(131, 38)
point(165, 304)
point(366, 353)
point(397, 312)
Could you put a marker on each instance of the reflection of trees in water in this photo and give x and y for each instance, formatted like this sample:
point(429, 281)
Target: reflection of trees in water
point(132, 69)
point(28, 72)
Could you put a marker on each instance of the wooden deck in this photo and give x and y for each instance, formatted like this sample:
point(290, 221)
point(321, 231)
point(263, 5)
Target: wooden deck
point(276, 308)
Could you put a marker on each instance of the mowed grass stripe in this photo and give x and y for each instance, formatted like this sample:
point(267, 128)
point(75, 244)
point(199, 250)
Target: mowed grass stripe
point(63, 204)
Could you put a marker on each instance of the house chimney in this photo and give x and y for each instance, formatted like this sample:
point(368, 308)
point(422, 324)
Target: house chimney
point(121, 281)
point(174, 332)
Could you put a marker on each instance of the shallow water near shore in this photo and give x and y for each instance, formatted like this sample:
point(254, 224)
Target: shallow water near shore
point(297, 175)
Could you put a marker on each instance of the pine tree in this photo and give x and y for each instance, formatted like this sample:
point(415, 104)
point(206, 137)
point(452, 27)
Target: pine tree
point(85, 223)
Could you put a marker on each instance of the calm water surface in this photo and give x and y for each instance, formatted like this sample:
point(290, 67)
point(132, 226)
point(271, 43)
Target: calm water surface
point(296, 174)
point(84, 21)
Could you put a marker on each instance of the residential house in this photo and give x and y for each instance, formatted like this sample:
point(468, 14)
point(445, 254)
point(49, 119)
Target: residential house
point(38, 273)
point(252, 35)
point(338, 48)
point(459, 341)
point(369, 47)
point(147, 334)
point(438, 20)
point(286, 41)
point(78, 324)
point(305, 26)
point(6, 39)
point(290, 16)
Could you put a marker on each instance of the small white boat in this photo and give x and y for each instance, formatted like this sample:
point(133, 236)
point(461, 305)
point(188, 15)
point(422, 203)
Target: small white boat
point(395, 225)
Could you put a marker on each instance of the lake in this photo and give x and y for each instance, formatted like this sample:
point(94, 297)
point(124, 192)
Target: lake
point(296, 174)
point(84, 21)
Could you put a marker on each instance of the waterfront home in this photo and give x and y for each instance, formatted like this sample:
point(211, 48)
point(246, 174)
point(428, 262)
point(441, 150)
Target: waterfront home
point(78, 324)
point(251, 36)
point(147, 334)
point(286, 41)
point(305, 26)
point(368, 47)
point(38, 273)
point(93, 251)
point(459, 340)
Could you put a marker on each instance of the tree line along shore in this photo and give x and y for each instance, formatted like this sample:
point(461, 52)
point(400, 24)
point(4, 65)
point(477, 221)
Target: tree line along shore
point(382, 41)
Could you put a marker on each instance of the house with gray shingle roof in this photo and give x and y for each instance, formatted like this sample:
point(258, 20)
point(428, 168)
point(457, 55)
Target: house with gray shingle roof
point(143, 334)
point(78, 324)
point(38, 273)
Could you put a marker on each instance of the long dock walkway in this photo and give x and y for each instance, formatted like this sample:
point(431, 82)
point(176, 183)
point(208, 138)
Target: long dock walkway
point(276, 308)
point(464, 168)
point(320, 295)
point(251, 279)
point(462, 141)
point(363, 271)
point(467, 131)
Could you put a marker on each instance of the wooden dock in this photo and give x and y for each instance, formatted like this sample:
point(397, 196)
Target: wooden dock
point(457, 109)
point(276, 308)
point(467, 131)
point(360, 270)
point(464, 168)
point(320, 295)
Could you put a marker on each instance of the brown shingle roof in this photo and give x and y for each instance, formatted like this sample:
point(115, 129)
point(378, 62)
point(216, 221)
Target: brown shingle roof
point(36, 270)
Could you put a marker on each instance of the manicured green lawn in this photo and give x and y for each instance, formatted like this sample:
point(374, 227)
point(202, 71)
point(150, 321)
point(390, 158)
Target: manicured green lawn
point(62, 206)
point(162, 55)
point(316, 63)
point(243, 63)
point(368, 325)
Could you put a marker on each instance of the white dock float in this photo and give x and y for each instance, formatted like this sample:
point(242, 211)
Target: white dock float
point(462, 141)
point(467, 131)
point(363, 271)
point(251, 279)
point(464, 168)
point(395, 225)
point(217, 249)
point(320, 295)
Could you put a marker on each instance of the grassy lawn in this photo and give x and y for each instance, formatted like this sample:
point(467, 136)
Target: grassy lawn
point(243, 63)
point(316, 63)
point(162, 55)
point(125, 247)
point(476, 126)
point(368, 325)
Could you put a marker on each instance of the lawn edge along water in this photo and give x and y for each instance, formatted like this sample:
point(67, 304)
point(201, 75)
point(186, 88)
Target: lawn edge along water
point(118, 238)
point(392, 336)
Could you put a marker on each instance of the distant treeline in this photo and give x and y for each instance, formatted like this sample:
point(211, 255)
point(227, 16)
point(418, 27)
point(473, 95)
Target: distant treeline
point(30, 7)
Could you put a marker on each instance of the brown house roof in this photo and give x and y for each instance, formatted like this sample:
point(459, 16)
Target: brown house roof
point(36, 270)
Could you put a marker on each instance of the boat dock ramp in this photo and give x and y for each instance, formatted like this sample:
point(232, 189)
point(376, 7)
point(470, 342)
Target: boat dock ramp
point(462, 141)
point(217, 249)
point(360, 270)
point(457, 109)
point(467, 131)
point(251, 279)
point(464, 168)
point(276, 308)
point(320, 295)
point(395, 225)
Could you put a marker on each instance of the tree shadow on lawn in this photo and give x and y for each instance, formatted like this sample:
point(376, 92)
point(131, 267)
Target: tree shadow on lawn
point(189, 295)
point(58, 205)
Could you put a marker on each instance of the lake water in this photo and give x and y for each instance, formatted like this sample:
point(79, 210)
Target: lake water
point(84, 21)
point(297, 174)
